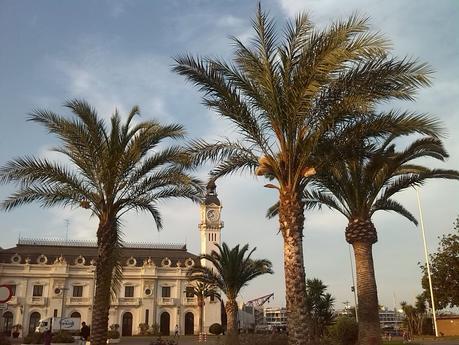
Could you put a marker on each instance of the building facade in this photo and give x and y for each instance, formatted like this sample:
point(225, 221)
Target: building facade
point(52, 278)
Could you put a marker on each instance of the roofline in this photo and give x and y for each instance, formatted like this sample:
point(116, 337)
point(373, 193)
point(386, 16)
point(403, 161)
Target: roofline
point(93, 244)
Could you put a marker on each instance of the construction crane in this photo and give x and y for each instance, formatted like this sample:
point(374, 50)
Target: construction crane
point(258, 302)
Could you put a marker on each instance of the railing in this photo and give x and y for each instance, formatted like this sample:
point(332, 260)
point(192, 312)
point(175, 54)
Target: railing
point(78, 301)
point(190, 301)
point(166, 301)
point(37, 300)
point(129, 301)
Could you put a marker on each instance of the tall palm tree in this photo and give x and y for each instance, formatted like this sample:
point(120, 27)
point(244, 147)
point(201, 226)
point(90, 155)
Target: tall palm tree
point(231, 269)
point(360, 184)
point(203, 290)
point(284, 95)
point(109, 172)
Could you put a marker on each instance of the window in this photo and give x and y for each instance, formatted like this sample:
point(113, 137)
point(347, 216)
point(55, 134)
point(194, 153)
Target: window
point(13, 289)
point(128, 291)
point(212, 298)
point(76, 314)
point(189, 291)
point(77, 291)
point(166, 291)
point(55, 313)
point(147, 314)
point(38, 290)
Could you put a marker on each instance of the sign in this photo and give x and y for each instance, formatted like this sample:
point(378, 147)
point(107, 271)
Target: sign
point(3, 306)
point(5, 293)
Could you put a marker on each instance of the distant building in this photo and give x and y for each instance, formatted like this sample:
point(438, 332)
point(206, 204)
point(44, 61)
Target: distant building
point(56, 278)
point(391, 319)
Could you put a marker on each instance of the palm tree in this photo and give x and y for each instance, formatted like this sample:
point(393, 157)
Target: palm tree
point(202, 290)
point(320, 307)
point(108, 172)
point(284, 95)
point(360, 184)
point(230, 270)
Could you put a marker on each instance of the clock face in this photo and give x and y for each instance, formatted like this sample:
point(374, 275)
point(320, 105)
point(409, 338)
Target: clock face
point(212, 215)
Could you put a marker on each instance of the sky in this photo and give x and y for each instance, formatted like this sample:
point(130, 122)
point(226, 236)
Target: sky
point(116, 54)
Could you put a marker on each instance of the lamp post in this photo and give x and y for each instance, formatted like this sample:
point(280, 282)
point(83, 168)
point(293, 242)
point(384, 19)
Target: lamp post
point(427, 262)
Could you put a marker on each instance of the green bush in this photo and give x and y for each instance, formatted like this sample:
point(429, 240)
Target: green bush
point(345, 331)
point(62, 337)
point(216, 329)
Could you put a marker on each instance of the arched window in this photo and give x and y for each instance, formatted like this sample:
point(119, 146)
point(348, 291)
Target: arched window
point(76, 314)
point(7, 323)
point(33, 321)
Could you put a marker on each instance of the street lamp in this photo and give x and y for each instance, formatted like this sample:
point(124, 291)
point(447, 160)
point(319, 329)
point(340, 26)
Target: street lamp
point(427, 261)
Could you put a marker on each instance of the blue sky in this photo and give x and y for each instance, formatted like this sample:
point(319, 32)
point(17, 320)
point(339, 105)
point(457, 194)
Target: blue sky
point(119, 53)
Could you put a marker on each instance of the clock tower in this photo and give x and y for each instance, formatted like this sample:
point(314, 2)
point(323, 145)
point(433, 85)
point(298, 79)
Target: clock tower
point(211, 224)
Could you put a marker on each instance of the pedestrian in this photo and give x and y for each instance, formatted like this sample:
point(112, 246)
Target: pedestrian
point(176, 331)
point(47, 337)
point(84, 333)
point(405, 337)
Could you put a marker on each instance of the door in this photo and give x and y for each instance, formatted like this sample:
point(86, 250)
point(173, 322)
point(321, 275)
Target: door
point(7, 323)
point(33, 321)
point(126, 329)
point(165, 324)
point(189, 323)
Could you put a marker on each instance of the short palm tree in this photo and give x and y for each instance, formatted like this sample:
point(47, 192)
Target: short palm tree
point(108, 172)
point(320, 307)
point(202, 291)
point(230, 270)
point(284, 95)
point(360, 184)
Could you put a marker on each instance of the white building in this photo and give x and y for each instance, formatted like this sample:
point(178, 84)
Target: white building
point(56, 278)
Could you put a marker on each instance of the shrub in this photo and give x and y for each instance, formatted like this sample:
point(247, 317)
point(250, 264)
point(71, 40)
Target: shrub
point(62, 337)
point(154, 329)
point(216, 329)
point(345, 331)
point(143, 327)
point(113, 334)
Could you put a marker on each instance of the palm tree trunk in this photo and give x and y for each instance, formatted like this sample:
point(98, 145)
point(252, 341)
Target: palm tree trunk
point(362, 235)
point(104, 272)
point(201, 314)
point(232, 331)
point(291, 219)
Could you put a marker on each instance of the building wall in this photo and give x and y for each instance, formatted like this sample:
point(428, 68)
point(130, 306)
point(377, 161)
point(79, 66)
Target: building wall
point(448, 326)
point(64, 277)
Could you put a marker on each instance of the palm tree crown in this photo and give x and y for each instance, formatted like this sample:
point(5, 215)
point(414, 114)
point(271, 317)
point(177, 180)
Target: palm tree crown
point(108, 172)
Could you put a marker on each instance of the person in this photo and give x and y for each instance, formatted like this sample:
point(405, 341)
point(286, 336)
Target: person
point(47, 337)
point(176, 331)
point(84, 333)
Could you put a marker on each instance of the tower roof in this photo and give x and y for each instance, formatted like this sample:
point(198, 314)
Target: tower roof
point(211, 194)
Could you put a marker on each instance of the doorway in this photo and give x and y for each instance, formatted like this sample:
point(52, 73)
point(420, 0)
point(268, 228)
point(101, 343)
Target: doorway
point(126, 328)
point(33, 321)
point(7, 323)
point(189, 323)
point(165, 324)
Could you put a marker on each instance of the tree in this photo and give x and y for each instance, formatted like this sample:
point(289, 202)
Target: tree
point(444, 266)
point(320, 307)
point(415, 315)
point(231, 269)
point(108, 172)
point(287, 96)
point(203, 290)
point(364, 182)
